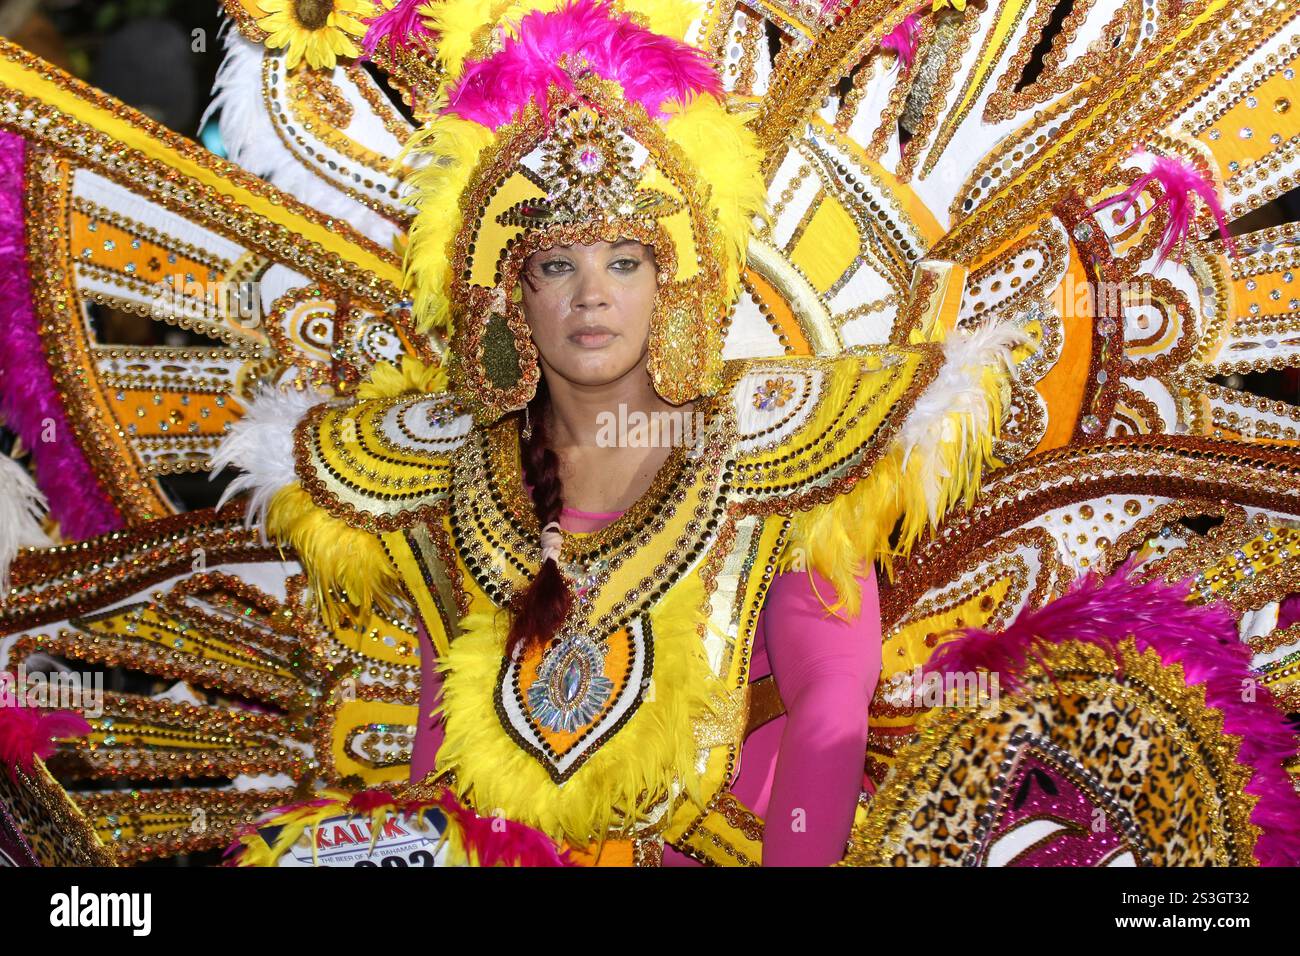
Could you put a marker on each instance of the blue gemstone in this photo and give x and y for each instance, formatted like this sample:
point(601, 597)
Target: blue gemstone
point(572, 681)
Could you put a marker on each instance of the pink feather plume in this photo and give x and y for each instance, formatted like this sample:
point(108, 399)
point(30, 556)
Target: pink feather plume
point(401, 26)
point(29, 398)
point(589, 34)
point(1180, 183)
point(367, 801)
point(498, 842)
point(26, 733)
point(903, 40)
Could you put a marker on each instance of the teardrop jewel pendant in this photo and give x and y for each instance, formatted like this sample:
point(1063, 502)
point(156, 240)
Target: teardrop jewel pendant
point(571, 687)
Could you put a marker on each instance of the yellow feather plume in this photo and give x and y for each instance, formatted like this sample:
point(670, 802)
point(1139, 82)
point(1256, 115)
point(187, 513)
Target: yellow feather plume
point(459, 25)
point(347, 568)
point(670, 18)
point(386, 380)
point(936, 462)
point(455, 145)
point(725, 154)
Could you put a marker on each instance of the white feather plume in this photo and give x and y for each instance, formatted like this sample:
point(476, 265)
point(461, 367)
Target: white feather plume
point(21, 508)
point(955, 400)
point(260, 444)
point(250, 139)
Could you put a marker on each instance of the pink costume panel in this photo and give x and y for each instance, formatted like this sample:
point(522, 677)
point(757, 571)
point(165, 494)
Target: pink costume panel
point(802, 772)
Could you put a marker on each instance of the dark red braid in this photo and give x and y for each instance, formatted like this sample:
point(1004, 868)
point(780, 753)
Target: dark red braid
point(539, 610)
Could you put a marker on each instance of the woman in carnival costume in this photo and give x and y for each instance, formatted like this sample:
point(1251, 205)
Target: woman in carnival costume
point(581, 229)
point(639, 559)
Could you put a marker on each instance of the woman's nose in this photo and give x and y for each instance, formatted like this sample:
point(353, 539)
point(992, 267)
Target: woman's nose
point(592, 291)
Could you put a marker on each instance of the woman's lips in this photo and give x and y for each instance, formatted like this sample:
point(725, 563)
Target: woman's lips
point(591, 338)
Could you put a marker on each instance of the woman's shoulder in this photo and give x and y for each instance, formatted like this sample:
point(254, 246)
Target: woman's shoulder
point(807, 427)
point(382, 463)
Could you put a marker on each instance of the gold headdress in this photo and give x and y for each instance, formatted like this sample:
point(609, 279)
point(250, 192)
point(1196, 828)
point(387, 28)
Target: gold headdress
point(580, 125)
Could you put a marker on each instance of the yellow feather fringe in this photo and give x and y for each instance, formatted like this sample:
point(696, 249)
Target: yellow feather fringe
point(386, 380)
point(652, 753)
point(459, 25)
point(910, 489)
point(347, 568)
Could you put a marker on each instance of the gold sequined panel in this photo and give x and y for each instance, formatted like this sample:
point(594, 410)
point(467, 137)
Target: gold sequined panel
point(1094, 738)
point(986, 588)
point(784, 434)
point(133, 218)
point(148, 824)
point(1040, 524)
point(808, 428)
point(418, 80)
point(196, 607)
point(494, 525)
point(1254, 566)
point(381, 464)
point(315, 117)
point(41, 826)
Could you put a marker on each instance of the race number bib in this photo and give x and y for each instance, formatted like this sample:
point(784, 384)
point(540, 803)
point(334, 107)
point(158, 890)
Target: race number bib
point(345, 841)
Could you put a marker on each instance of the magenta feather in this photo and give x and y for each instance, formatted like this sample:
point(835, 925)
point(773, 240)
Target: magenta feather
point(494, 841)
point(1289, 611)
point(367, 801)
point(1203, 639)
point(1180, 183)
point(401, 26)
point(26, 733)
point(652, 69)
point(903, 40)
point(29, 399)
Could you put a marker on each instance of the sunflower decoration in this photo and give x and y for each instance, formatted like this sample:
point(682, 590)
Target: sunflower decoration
point(317, 31)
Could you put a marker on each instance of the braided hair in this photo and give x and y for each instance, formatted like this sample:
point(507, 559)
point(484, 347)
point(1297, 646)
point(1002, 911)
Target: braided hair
point(539, 610)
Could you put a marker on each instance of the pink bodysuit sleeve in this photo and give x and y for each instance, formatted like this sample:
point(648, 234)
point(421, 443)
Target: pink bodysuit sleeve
point(826, 670)
point(429, 731)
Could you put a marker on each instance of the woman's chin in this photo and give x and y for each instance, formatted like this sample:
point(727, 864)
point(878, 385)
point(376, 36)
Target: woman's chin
point(594, 367)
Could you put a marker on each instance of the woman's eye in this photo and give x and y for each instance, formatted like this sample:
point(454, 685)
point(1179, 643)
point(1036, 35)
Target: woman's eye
point(626, 265)
point(553, 267)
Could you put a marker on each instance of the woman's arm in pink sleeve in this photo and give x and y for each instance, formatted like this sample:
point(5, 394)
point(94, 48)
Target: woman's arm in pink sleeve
point(826, 670)
point(428, 729)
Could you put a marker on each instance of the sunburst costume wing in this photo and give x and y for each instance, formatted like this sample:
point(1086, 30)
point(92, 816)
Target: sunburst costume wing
point(964, 171)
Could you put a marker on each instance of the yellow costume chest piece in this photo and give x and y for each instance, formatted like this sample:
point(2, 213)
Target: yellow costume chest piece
point(671, 595)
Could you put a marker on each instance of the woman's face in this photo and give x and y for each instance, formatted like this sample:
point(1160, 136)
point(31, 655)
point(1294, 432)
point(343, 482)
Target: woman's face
point(589, 308)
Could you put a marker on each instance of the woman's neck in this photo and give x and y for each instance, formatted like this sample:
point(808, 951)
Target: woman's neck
point(607, 462)
point(581, 416)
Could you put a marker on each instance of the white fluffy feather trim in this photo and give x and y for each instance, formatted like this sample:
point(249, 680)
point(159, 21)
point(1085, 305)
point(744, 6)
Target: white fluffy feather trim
point(955, 409)
point(21, 508)
point(260, 444)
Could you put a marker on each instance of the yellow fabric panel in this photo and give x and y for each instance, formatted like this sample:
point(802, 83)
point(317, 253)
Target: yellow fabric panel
point(493, 235)
point(678, 225)
point(775, 305)
point(358, 713)
point(1063, 386)
point(828, 246)
point(32, 83)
